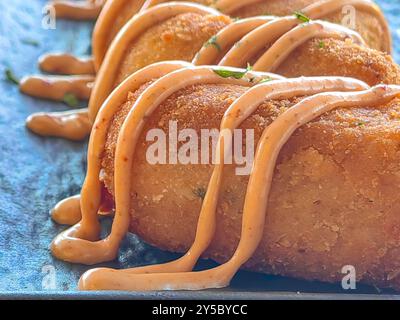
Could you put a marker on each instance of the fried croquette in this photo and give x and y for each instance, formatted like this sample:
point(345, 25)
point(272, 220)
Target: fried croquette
point(333, 200)
point(117, 13)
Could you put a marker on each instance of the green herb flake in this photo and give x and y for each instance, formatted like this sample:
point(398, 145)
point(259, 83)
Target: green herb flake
point(321, 44)
point(267, 79)
point(360, 124)
point(31, 42)
point(214, 42)
point(200, 192)
point(10, 76)
point(302, 17)
point(226, 73)
point(71, 100)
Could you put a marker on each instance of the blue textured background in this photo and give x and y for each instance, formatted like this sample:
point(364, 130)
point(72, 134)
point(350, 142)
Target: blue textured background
point(36, 173)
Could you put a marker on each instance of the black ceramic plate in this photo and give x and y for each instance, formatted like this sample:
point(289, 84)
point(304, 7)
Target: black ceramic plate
point(36, 173)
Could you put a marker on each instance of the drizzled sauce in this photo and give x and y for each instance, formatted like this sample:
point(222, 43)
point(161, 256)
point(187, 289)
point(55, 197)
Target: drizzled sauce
point(56, 87)
point(68, 211)
point(74, 245)
point(72, 125)
point(64, 63)
point(78, 10)
point(114, 15)
point(227, 38)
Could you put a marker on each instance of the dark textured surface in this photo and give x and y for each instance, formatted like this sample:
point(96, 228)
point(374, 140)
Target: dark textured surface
point(35, 173)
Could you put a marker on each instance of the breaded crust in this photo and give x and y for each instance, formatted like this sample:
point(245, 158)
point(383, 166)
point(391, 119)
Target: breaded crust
point(366, 24)
point(334, 199)
point(340, 58)
point(178, 38)
point(181, 37)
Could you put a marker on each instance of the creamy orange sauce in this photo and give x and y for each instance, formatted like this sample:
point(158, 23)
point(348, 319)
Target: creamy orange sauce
point(64, 63)
point(252, 43)
point(56, 87)
point(72, 125)
point(229, 6)
point(74, 245)
point(226, 38)
point(111, 19)
point(226, 6)
point(68, 211)
point(78, 10)
point(286, 44)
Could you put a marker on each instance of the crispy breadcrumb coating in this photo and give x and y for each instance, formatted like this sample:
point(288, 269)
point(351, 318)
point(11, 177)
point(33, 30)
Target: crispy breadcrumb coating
point(366, 24)
point(178, 38)
point(340, 58)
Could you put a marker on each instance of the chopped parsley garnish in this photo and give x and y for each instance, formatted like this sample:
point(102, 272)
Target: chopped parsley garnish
point(214, 42)
point(200, 192)
point(71, 100)
point(226, 73)
point(302, 17)
point(30, 42)
point(267, 79)
point(238, 44)
point(10, 76)
point(360, 124)
point(321, 44)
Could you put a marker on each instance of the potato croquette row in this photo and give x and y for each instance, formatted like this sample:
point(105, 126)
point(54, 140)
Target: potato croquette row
point(168, 32)
point(116, 13)
point(368, 20)
point(259, 41)
point(321, 191)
